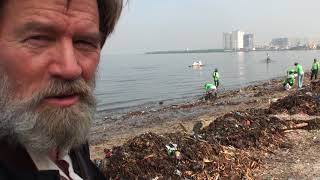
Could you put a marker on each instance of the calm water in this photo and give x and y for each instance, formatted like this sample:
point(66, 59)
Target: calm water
point(130, 80)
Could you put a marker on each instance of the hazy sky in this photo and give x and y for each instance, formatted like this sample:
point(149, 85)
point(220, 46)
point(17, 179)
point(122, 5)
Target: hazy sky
point(148, 25)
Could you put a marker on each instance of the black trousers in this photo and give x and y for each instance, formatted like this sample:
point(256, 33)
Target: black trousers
point(216, 83)
point(314, 73)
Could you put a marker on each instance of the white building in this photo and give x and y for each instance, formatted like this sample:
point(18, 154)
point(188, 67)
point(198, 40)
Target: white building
point(227, 41)
point(237, 40)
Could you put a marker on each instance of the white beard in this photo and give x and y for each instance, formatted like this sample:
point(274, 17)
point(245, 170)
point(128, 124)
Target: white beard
point(51, 127)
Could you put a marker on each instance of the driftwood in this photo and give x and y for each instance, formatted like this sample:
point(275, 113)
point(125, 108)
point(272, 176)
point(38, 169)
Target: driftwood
point(296, 126)
point(303, 124)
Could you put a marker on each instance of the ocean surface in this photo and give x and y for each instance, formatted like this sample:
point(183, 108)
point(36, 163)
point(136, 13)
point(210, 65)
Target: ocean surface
point(135, 80)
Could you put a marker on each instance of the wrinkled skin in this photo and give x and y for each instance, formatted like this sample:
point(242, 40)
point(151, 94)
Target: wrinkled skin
point(61, 44)
point(49, 53)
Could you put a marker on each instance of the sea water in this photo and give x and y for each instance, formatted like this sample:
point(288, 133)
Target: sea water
point(132, 80)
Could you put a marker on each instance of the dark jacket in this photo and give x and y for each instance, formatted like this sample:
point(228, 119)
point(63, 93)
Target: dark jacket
point(16, 164)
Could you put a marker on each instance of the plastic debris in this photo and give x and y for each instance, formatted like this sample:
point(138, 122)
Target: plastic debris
point(309, 93)
point(178, 155)
point(171, 149)
point(206, 160)
point(177, 172)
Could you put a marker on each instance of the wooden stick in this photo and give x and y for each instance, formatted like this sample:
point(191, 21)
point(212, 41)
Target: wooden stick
point(296, 126)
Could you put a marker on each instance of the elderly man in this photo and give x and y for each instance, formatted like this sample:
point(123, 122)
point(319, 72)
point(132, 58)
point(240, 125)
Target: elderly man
point(49, 53)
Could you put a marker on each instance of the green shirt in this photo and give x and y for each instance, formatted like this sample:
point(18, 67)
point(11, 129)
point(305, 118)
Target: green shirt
point(315, 66)
point(291, 71)
point(209, 86)
point(290, 79)
point(299, 69)
point(215, 76)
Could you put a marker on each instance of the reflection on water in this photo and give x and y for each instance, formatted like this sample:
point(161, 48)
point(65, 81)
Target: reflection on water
point(242, 68)
point(197, 67)
point(267, 67)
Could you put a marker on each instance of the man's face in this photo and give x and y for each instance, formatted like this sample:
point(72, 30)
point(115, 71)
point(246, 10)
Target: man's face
point(42, 40)
point(49, 55)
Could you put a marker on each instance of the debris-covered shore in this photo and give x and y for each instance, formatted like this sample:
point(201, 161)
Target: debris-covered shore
point(235, 144)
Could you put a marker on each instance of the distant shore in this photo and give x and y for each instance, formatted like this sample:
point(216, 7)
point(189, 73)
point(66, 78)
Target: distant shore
point(223, 51)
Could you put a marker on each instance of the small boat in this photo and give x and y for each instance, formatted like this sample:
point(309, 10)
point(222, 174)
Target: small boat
point(197, 64)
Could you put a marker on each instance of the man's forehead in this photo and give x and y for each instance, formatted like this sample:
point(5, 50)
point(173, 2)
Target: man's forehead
point(88, 6)
point(57, 11)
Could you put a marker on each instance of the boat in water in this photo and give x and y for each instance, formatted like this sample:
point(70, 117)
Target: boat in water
point(197, 64)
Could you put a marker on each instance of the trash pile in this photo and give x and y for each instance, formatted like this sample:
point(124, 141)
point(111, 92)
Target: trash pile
point(247, 129)
point(218, 151)
point(295, 104)
point(315, 86)
point(312, 124)
point(176, 156)
point(266, 88)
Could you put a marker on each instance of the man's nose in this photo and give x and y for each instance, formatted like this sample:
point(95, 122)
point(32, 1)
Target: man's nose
point(66, 65)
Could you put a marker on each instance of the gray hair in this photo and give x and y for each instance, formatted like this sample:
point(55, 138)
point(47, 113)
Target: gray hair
point(109, 13)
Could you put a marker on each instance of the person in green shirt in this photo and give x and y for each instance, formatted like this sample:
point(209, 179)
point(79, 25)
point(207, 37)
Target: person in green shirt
point(314, 69)
point(300, 72)
point(291, 71)
point(211, 91)
point(289, 82)
point(216, 77)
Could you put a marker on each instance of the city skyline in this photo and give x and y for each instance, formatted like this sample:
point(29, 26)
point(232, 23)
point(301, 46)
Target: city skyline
point(238, 40)
point(172, 25)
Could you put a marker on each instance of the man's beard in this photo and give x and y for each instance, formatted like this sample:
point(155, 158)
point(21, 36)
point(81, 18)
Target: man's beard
point(42, 127)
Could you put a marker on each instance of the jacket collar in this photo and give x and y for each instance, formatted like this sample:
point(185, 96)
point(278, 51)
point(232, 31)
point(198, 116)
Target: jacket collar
point(16, 157)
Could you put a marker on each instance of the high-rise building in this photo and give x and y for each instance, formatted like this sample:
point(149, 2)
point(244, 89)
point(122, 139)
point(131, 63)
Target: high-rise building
point(237, 40)
point(227, 41)
point(280, 43)
point(248, 42)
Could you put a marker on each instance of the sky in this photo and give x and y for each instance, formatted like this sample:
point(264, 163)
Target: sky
point(152, 25)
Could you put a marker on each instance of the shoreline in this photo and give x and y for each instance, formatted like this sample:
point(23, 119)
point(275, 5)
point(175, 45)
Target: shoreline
point(199, 51)
point(151, 105)
point(257, 132)
point(176, 117)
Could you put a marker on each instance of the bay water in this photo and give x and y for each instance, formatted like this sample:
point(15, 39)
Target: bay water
point(130, 80)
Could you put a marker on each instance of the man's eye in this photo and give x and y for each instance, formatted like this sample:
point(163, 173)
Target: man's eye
point(85, 45)
point(38, 41)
